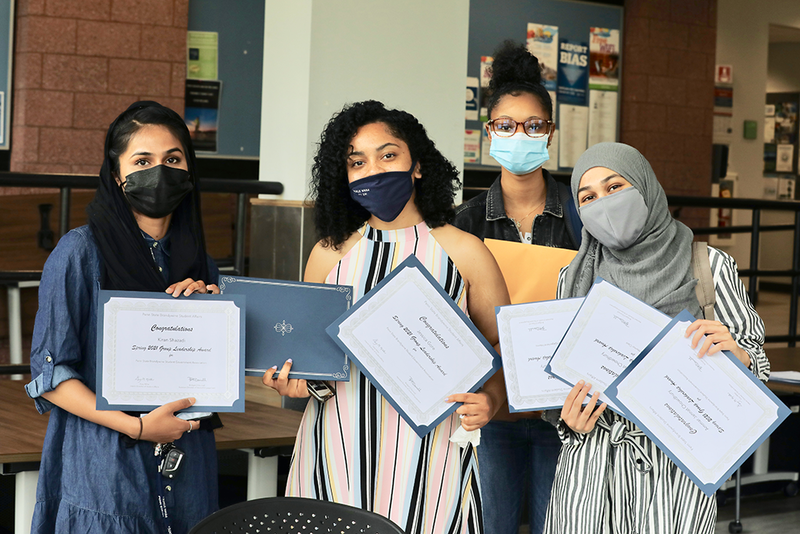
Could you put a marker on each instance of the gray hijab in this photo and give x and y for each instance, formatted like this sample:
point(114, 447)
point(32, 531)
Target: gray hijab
point(657, 268)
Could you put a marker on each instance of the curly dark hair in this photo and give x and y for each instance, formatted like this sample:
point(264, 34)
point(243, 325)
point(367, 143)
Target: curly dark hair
point(336, 214)
point(516, 71)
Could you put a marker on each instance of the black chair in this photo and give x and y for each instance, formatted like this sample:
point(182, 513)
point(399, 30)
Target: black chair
point(292, 514)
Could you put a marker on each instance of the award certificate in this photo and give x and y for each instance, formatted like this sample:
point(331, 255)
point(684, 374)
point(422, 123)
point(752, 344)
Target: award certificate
point(707, 414)
point(609, 331)
point(153, 348)
point(529, 334)
point(415, 345)
point(288, 320)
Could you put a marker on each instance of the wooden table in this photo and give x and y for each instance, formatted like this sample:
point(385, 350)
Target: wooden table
point(22, 431)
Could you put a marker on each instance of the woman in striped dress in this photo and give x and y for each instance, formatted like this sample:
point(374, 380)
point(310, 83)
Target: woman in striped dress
point(610, 477)
point(384, 192)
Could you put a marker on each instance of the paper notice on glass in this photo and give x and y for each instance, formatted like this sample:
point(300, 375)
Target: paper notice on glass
point(573, 127)
point(486, 76)
point(415, 345)
point(552, 151)
point(472, 146)
point(707, 414)
point(153, 349)
point(202, 55)
point(785, 158)
point(602, 117)
point(529, 334)
point(471, 111)
point(486, 158)
point(608, 333)
point(543, 43)
point(603, 59)
point(769, 129)
point(530, 271)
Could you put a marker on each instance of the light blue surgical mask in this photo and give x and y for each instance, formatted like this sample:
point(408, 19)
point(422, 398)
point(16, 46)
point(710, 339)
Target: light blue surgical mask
point(520, 153)
point(616, 220)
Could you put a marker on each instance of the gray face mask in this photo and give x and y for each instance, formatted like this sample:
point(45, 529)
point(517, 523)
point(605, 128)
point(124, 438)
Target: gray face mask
point(616, 220)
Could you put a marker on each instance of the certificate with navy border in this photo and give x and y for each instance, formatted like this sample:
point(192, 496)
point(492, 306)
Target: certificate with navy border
point(287, 319)
point(611, 328)
point(529, 334)
point(707, 414)
point(153, 348)
point(415, 345)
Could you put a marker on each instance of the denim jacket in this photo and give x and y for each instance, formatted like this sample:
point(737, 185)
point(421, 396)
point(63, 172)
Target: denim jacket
point(485, 216)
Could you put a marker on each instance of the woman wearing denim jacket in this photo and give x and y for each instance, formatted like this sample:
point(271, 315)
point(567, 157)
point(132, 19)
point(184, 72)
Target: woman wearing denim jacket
point(518, 453)
point(98, 471)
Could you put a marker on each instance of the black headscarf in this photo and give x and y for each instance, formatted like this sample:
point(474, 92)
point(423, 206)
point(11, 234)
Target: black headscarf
point(127, 261)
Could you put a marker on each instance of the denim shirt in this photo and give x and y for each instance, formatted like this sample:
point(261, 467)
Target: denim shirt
point(88, 480)
point(484, 216)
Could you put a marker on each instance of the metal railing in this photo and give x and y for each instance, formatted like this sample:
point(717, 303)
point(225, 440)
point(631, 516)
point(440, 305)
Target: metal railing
point(67, 182)
point(752, 273)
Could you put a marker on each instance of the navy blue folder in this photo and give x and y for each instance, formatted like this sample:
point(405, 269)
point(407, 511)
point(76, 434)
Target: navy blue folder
point(288, 319)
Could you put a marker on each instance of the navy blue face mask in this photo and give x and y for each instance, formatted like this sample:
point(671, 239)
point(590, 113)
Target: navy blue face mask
point(384, 195)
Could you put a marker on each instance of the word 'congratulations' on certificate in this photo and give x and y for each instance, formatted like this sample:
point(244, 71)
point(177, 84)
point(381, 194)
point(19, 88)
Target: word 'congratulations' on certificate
point(415, 345)
point(153, 349)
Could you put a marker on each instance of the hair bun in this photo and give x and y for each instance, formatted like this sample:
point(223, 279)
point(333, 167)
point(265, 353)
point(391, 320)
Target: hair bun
point(513, 64)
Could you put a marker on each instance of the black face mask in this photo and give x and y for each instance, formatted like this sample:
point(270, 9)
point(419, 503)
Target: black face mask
point(156, 192)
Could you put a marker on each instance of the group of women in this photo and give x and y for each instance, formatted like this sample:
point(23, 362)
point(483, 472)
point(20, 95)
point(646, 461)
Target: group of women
point(382, 192)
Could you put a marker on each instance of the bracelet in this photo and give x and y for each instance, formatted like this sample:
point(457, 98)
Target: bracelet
point(141, 428)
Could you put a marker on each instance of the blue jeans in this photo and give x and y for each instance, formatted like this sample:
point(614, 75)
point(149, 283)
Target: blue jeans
point(516, 459)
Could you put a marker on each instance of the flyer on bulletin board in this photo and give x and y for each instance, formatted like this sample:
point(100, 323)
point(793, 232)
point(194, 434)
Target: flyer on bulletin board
point(472, 146)
point(202, 52)
point(471, 102)
point(573, 72)
point(543, 43)
point(603, 59)
point(201, 113)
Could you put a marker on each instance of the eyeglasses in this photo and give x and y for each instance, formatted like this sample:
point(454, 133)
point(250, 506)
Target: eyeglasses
point(505, 127)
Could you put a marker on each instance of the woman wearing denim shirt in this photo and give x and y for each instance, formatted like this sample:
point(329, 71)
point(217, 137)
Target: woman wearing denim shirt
point(98, 471)
point(518, 453)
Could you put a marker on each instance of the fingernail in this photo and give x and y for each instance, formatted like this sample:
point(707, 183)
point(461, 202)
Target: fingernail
point(289, 360)
point(274, 367)
point(580, 382)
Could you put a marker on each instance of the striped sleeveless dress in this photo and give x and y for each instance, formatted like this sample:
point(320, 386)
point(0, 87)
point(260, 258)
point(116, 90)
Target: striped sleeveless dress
point(357, 450)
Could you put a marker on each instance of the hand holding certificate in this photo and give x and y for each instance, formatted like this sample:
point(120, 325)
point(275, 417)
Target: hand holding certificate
point(154, 349)
point(707, 414)
point(415, 345)
point(609, 331)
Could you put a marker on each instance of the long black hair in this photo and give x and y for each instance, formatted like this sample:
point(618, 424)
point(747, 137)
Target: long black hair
point(126, 258)
point(336, 214)
point(516, 71)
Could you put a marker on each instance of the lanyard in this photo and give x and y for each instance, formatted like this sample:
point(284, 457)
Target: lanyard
point(162, 501)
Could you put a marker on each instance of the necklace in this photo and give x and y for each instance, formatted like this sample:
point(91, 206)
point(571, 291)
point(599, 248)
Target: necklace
point(519, 222)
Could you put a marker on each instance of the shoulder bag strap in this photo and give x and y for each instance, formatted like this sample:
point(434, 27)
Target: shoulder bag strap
point(701, 269)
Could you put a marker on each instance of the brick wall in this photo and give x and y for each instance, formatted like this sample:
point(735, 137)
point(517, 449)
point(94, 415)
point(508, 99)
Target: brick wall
point(78, 64)
point(668, 92)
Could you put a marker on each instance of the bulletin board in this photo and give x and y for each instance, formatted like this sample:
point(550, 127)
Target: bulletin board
point(240, 28)
point(6, 51)
point(493, 22)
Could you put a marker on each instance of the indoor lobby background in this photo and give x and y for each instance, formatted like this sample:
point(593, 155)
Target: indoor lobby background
point(287, 66)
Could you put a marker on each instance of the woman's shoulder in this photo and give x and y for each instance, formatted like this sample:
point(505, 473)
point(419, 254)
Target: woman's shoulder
point(324, 257)
point(467, 251)
point(76, 245)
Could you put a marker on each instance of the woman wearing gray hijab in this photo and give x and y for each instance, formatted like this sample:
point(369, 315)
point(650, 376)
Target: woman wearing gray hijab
point(610, 477)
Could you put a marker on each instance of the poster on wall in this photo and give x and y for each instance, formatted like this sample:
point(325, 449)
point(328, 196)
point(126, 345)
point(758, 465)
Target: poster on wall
point(486, 76)
point(471, 105)
point(602, 116)
point(472, 146)
point(786, 123)
point(573, 72)
point(573, 133)
point(543, 43)
point(202, 52)
point(201, 113)
point(784, 158)
point(603, 59)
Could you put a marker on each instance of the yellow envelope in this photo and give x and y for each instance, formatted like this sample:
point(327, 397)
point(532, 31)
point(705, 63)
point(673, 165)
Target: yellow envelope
point(530, 271)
